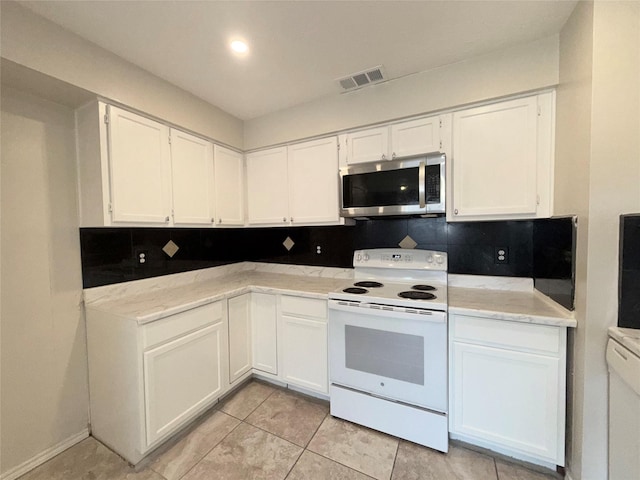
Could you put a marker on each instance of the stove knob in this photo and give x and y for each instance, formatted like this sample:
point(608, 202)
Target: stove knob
point(430, 259)
point(358, 257)
point(439, 260)
point(365, 257)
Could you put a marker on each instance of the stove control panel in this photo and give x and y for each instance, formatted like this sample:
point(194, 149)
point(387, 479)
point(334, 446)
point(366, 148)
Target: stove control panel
point(399, 258)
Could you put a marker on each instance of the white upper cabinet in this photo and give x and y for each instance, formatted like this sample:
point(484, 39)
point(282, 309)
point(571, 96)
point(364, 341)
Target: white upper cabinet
point(313, 181)
point(229, 186)
point(267, 190)
point(294, 185)
point(134, 171)
point(404, 139)
point(140, 168)
point(192, 179)
point(415, 137)
point(502, 160)
point(368, 145)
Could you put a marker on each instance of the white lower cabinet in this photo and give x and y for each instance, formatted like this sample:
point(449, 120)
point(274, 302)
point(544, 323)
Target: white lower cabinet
point(507, 387)
point(180, 378)
point(239, 336)
point(147, 381)
point(303, 343)
point(264, 318)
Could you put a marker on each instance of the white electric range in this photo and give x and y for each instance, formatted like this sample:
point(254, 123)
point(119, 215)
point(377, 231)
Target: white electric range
point(388, 345)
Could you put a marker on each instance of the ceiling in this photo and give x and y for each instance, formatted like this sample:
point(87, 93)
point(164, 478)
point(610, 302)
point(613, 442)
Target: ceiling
point(298, 49)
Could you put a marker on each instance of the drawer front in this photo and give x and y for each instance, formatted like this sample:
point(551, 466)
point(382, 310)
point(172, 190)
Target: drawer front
point(501, 333)
point(305, 307)
point(179, 324)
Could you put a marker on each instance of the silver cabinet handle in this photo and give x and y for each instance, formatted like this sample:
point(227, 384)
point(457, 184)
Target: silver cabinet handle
point(455, 212)
point(291, 219)
point(384, 157)
point(220, 220)
point(393, 155)
point(284, 219)
point(166, 219)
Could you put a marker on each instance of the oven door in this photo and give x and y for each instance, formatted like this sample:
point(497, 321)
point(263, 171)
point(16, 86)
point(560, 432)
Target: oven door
point(389, 353)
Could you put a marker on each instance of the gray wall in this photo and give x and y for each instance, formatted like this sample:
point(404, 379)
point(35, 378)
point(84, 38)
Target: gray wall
point(506, 72)
point(598, 177)
point(43, 356)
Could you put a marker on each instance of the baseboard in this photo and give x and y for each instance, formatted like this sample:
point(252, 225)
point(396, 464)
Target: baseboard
point(42, 457)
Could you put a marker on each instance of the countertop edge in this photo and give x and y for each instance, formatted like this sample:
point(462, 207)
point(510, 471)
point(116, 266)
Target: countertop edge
point(517, 317)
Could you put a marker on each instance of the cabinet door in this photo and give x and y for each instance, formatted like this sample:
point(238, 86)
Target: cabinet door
point(239, 336)
point(304, 353)
point(495, 160)
point(415, 137)
point(229, 186)
point(263, 326)
point(368, 145)
point(192, 179)
point(140, 168)
point(267, 187)
point(181, 378)
point(507, 398)
point(313, 181)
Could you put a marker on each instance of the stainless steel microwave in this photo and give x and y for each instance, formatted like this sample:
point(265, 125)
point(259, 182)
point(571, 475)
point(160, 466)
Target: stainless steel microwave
point(409, 186)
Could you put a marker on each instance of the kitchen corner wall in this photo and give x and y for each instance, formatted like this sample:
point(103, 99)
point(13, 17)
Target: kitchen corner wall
point(542, 249)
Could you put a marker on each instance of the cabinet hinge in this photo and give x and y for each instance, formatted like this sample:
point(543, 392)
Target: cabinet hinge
point(169, 139)
point(537, 199)
point(539, 110)
point(440, 144)
point(106, 118)
point(440, 123)
point(109, 208)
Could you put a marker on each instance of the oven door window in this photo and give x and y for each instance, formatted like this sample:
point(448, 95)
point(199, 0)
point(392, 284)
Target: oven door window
point(383, 188)
point(388, 354)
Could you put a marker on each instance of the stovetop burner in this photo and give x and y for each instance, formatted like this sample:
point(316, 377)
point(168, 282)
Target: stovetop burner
point(356, 290)
point(368, 284)
point(423, 288)
point(416, 295)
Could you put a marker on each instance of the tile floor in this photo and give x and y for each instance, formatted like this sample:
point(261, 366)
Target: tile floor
point(265, 432)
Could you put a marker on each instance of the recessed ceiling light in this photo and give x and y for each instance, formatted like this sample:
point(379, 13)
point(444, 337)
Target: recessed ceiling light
point(239, 46)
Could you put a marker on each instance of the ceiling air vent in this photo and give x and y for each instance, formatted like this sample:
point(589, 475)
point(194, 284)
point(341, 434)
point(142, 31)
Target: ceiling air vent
point(360, 79)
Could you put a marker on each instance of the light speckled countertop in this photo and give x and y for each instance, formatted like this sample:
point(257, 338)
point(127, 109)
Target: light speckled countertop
point(147, 300)
point(149, 306)
point(516, 306)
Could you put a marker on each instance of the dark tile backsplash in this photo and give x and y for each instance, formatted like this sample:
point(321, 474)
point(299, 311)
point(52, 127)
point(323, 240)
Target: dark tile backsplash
point(554, 259)
point(629, 271)
point(110, 255)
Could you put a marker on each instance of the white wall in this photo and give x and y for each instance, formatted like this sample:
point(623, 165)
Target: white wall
point(44, 394)
point(34, 42)
point(506, 72)
point(607, 103)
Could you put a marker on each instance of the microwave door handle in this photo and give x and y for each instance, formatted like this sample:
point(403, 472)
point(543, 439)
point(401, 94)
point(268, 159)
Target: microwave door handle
point(421, 188)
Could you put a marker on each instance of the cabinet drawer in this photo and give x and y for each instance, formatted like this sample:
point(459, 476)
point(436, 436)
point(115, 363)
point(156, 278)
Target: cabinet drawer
point(501, 333)
point(181, 323)
point(305, 307)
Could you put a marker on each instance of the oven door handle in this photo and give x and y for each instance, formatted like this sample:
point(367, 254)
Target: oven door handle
point(372, 309)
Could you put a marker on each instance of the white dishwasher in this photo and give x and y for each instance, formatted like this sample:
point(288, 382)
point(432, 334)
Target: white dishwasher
point(623, 360)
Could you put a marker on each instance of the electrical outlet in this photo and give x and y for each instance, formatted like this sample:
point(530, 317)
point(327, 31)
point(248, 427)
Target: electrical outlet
point(318, 249)
point(501, 255)
point(142, 256)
